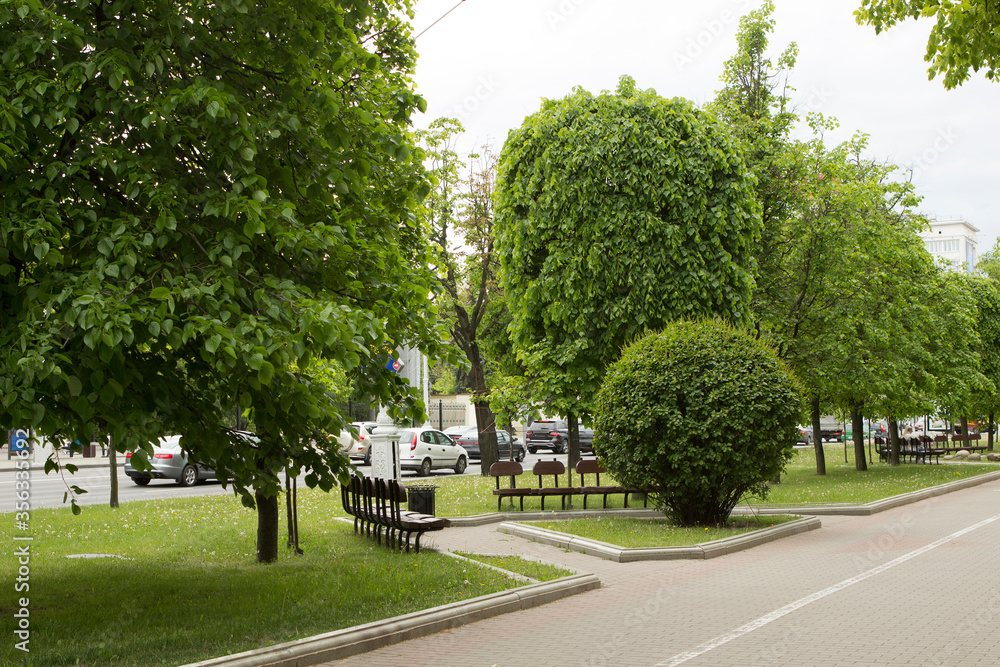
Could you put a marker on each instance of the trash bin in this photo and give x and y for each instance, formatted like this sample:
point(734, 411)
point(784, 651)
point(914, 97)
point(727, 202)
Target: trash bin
point(89, 451)
point(420, 498)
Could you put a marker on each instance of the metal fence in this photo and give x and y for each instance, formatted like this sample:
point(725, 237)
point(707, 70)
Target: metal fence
point(442, 414)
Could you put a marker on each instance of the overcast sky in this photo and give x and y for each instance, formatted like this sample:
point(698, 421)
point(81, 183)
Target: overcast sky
point(489, 62)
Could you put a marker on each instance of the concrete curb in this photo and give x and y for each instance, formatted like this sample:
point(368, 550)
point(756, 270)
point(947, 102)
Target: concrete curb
point(363, 638)
point(884, 504)
point(619, 554)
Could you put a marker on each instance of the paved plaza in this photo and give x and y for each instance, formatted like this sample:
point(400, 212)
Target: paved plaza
point(915, 585)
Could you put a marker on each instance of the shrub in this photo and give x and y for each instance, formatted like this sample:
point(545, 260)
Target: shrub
point(697, 415)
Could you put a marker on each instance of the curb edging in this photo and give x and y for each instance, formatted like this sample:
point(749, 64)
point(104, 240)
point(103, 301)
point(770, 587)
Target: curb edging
point(344, 643)
point(619, 554)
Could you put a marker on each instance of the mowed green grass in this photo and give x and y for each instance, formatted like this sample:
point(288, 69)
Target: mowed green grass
point(467, 495)
point(187, 586)
point(633, 533)
point(843, 484)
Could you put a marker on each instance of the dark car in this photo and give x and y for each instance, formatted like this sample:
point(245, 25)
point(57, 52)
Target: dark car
point(470, 440)
point(553, 434)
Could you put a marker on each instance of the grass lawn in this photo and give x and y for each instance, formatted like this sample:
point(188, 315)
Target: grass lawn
point(467, 495)
point(843, 484)
point(188, 587)
point(631, 533)
point(534, 569)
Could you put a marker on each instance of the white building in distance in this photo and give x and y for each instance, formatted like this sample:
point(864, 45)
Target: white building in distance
point(953, 243)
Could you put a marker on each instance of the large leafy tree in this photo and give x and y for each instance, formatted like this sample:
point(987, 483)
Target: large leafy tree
point(617, 213)
point(460, 218)
point(963, 36)
point(200, 200)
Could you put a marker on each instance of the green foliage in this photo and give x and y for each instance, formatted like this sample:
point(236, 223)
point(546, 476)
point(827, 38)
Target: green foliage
point(699, 415)
point(200, 200)
point(963, 38)
point(617, 213)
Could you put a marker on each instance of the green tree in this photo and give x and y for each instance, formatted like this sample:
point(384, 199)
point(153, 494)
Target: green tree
point(617, 213)
point(200, 200)
point(690, 395)
point(460, 215)
point(963, 37)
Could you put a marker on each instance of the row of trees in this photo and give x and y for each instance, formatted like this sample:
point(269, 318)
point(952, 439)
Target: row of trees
point(604, 229)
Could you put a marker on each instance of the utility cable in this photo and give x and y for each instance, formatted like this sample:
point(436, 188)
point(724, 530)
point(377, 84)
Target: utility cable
point(438, 21)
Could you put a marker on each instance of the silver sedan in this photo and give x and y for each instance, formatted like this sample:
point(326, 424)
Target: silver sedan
point(169, 461)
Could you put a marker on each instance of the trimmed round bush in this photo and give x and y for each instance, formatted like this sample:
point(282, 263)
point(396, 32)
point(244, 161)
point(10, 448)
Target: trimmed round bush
point(697, 415)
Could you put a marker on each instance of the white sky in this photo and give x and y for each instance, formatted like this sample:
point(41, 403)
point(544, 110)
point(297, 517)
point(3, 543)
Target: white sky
point(489, 62)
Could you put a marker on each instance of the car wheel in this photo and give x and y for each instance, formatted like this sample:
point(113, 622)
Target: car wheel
point(189, 475)
point(461, 465)
point(368, 457)
point(532, 450)
point(141, 481)
point(425, 468)
point(559, 449)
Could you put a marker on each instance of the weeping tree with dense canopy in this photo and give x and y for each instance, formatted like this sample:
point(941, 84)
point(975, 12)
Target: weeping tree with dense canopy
point(201, 199)
point(616, 213)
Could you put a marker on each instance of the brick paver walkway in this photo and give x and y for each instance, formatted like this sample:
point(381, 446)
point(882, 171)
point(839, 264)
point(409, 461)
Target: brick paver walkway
point(938, 607)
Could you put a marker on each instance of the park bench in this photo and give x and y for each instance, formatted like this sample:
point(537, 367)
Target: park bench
point(543, 469)
point(593, 467)
point(513, 470)
point(374, 504)
point(958, 444)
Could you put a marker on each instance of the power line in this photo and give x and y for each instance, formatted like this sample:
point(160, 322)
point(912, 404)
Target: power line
point(436, 22)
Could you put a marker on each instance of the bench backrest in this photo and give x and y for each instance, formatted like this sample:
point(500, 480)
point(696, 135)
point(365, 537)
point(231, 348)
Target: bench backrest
point(589, 467)
point(505, 469)
point(554, 468)
point(940, 438)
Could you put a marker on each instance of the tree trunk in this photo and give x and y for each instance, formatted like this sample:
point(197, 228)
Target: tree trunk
point(818, 437)
point(487, 425)
point(486, 421)
point(965, 432)
point(858, 429)
point(267, 527)
point(113, 464)
point(893, 442)
point(574, 453)
point(989, 436)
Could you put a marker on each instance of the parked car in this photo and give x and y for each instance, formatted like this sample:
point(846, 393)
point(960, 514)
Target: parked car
point(426, 449)
point(553, 434)
point(360, 447)
point(470, 440)
point(805, 436)
point(169, 461)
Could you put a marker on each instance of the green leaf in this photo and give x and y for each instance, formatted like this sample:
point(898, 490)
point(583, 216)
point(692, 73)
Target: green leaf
point(74, 385)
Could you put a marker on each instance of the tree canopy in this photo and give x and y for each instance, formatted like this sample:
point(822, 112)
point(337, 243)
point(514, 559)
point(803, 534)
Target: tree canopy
point(617, 213)
point(963, 37)
point(200, 200)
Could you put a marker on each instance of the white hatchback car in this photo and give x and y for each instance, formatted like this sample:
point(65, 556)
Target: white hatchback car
point(360, 447)
point(426, 449)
